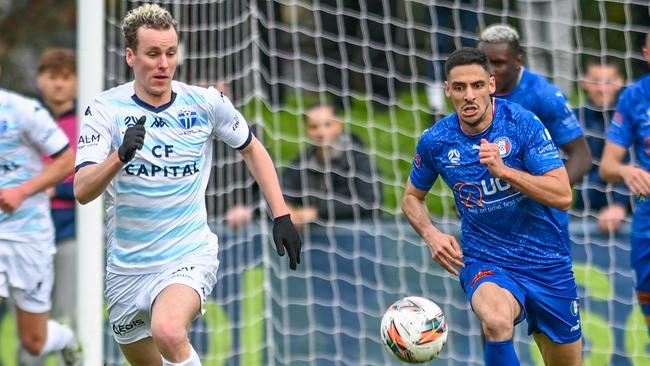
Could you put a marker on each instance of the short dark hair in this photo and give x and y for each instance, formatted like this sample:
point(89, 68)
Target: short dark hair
point(467, 56)
point(605, 61)
point(58, 61)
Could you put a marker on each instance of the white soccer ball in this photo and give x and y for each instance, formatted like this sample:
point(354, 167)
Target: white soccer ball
point(414, 329)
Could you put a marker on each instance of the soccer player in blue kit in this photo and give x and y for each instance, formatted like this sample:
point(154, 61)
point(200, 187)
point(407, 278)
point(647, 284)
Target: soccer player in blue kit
point(517, 84)
point(508, 182)
point(148, 144)
point(630, 128)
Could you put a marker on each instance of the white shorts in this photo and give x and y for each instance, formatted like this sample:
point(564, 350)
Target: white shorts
point(27, 275)
point(130, 296)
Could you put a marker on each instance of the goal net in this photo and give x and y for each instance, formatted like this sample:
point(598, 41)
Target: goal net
point(380, 62)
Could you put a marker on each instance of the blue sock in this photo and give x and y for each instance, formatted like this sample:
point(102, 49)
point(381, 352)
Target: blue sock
point(500, 353)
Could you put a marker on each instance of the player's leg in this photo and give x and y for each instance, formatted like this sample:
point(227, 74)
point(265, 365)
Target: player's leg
point(553, 312)
point(496, 300)
point(179, 296)
point(34, 276)
point(32, 330)
point(171, 316)
point(129, 301)
point(142, 353)
point(641, 264)
point(559, 354)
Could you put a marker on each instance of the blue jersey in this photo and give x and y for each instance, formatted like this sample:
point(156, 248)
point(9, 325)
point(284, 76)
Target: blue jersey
point(630, 127)
point(499, 224)
point(547, 102)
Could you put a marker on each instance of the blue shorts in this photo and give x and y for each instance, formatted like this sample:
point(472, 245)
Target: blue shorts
point(640, 259)
point(551, 307)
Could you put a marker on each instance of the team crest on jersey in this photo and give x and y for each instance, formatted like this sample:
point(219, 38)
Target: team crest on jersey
point(504, 146)
point(187, 117)
point(454, 156)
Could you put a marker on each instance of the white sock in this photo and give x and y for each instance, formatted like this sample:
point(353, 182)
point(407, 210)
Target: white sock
point(58, 337)
point(193, 360)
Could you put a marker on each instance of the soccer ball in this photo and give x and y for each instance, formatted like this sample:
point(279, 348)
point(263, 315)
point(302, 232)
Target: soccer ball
point(414, 329)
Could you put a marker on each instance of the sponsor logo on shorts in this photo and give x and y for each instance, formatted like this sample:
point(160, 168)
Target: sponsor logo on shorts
point(123, 329)
point(481, 274)
point(576, 327)
point(183, 272)
point(575, 307)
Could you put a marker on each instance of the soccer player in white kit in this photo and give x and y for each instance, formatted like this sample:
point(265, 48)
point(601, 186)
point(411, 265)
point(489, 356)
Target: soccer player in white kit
point(148, 145)
point(27, 132)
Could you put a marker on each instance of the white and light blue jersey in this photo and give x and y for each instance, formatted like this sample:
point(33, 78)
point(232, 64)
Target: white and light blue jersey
point(498, 223)
point(27, 132)
point(156, 203)
point(630, 128)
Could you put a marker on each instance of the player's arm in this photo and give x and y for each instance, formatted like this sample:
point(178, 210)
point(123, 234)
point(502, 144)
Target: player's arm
point(261, 166)
point(444, 248)
point(61, 166)
point(613, 169)
point(91, 180)
point(579, 159)
point(551, 189)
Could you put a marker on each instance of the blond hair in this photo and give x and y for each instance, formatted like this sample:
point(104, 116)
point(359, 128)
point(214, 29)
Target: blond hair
point(148, 15)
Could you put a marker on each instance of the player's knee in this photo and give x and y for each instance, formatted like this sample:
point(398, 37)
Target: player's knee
point(32, 343)
point(169, 337)
point(497, 327)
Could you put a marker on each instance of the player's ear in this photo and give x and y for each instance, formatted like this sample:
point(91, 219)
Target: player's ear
point(129, 56)
point(447, 91)
point(492, 84)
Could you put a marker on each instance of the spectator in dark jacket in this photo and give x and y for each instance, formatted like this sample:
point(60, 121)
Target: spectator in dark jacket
point(334, 178)
point(602, 81)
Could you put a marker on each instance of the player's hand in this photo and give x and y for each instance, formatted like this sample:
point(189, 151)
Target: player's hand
point(610, 218)
point(637, 180)
point(489, 156)
point(238, 216)
point(446, 252)
point(11, 199)
point(286, 237)
point(133, 140)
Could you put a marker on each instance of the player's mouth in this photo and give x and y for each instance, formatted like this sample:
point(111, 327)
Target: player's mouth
point(469, 111)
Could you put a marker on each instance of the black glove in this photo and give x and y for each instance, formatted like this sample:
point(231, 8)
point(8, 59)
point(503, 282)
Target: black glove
point(133, 140)
point(285, 235)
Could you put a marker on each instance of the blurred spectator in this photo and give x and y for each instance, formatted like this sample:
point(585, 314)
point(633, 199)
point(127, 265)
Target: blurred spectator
point(601, 83)
point(454, 26)
point(334, 178)
point(548, 39)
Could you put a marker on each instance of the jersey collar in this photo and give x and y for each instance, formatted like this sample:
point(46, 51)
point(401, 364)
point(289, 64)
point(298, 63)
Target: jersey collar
point(151, 108)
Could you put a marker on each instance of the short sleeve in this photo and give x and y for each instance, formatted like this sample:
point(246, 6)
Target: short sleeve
point(42, 130)
point(558, 117)
point(228, 124)
point(95, 141)
point(423, 173)
point(621, 128)
point(540, 153)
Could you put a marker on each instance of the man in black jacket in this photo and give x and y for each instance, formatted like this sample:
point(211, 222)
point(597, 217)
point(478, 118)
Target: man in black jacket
point(334, 178)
